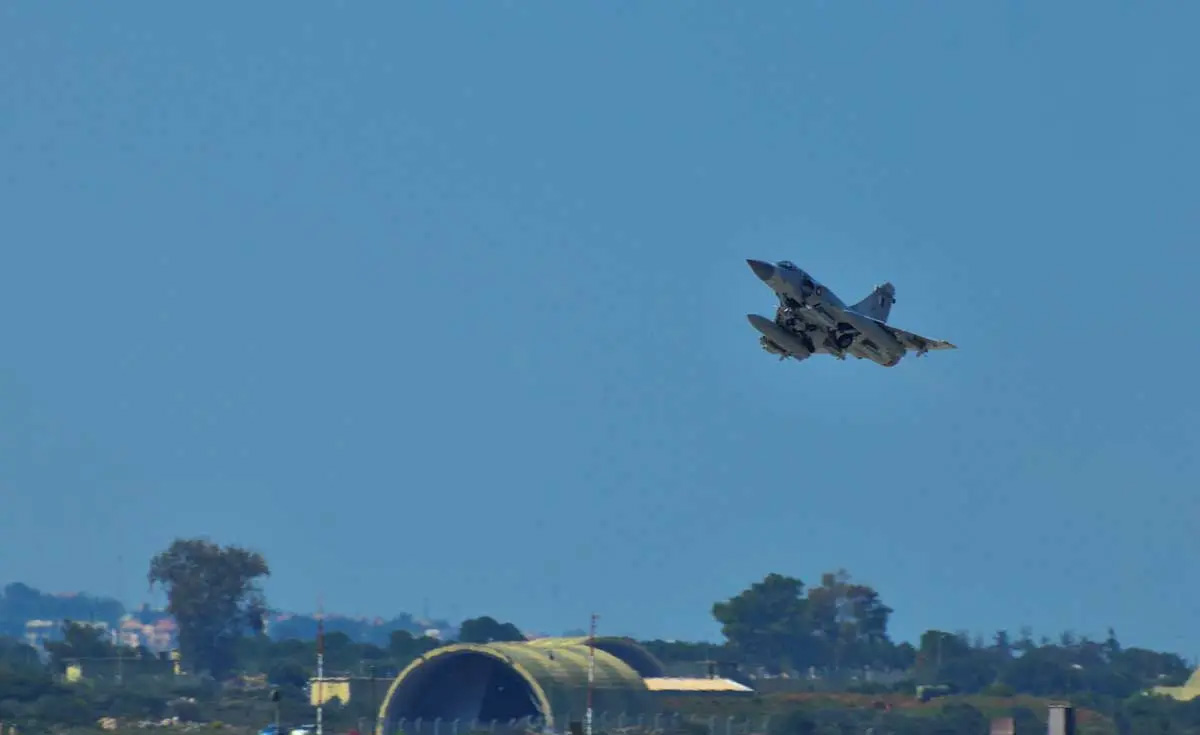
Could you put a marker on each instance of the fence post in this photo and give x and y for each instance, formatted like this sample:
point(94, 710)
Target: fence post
point(437, 726)
point(712, 725)
point(454, 725)
point(417, 726)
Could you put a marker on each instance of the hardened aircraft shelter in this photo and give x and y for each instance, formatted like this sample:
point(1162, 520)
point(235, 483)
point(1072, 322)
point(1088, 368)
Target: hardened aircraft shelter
point(545, 680)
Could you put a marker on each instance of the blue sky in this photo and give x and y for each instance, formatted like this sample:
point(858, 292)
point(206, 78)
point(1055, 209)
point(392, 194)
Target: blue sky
point(445, 303)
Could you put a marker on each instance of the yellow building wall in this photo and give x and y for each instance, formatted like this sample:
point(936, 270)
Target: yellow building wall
point(1189, 691)
point(322, 692)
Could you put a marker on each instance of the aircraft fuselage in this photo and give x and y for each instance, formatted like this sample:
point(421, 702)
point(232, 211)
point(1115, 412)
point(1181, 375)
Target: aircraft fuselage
point(851, 332)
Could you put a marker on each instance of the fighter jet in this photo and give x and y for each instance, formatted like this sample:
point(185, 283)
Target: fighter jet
point(811, 320)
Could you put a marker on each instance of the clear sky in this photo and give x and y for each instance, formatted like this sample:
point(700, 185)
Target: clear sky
point(446, 303)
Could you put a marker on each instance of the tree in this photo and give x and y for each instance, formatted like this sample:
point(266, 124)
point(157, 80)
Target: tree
point(17, 656)
point(1002, 645)
point(953, 660)
point(487, 629)
point(1112, 647)
point(1025, 642)
point(80, 641)
point(769, 623)
point(213, 594)
point(403, 646)
point(776, 624)
point(670, 652)
point(960, 717)
point(850, 620)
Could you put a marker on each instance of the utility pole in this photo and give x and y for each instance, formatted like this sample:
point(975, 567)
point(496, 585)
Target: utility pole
point(320, 663)
point(591, 674)
point(374, 706)
point(121, 600)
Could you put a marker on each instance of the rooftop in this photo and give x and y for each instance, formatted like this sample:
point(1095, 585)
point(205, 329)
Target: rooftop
point(688, 684)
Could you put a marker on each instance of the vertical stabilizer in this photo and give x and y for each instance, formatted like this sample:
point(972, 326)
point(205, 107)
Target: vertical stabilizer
point(879, 304)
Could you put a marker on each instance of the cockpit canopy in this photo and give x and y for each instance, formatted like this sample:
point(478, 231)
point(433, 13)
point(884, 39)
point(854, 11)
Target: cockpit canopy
point(806, 281)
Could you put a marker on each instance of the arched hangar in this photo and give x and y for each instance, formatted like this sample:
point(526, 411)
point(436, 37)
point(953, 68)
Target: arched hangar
point(545, 679)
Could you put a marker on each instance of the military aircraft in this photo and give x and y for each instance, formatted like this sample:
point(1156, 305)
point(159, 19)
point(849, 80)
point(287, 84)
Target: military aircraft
point(811, 319)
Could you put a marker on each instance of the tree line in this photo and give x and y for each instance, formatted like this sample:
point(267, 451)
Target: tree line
point(822, 636)
point(778, 625)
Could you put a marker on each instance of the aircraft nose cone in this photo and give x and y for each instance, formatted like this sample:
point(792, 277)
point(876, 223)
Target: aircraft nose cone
point(763, 270)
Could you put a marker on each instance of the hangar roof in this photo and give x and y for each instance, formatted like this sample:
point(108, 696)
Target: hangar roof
point(628, 650)
point(547, 679)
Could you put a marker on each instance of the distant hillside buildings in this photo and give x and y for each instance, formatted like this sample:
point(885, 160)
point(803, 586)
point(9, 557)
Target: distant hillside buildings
point(153, 630)
point(374, 630)
point(20, 604)
point(38, 618)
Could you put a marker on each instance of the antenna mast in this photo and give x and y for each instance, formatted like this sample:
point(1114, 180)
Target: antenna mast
point(591, 673)
point(320, 663)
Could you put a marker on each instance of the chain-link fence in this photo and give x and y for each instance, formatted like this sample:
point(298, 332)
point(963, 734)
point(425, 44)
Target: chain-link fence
point(602, 722)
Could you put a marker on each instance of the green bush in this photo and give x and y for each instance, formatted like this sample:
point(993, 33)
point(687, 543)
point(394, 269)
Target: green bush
point(999, 689)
